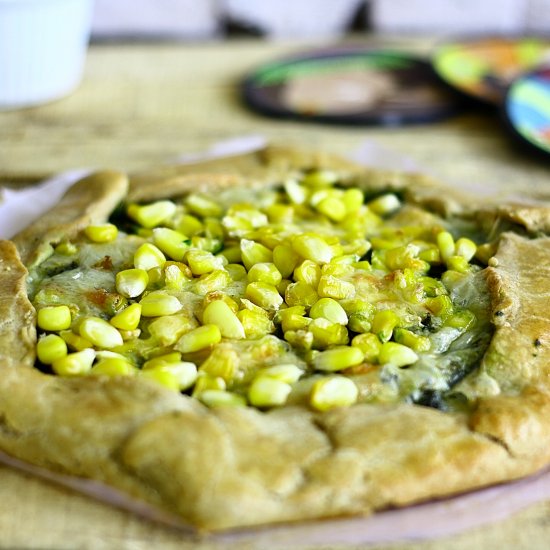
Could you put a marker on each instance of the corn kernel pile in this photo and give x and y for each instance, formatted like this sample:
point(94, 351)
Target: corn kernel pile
point(237, 302)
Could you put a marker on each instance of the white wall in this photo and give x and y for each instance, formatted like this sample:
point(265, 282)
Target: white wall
point(302, 18)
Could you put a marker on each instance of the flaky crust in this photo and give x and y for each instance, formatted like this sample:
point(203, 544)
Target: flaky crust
point(227, 467)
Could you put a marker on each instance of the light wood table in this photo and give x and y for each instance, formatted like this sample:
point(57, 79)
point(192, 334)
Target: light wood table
point(141, 105)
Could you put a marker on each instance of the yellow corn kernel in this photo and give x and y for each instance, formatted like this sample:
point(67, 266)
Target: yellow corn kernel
point(289, 311)
point(360, 322)
point(383, 323)
point(353, 199)
point(458, 263)
point(232, 254)
point(288, 373)
point(223, 362)
point(74, 341)
point(101, 233)
point(217, 295)
point(50, 348)
point(66, 248)
point(199, 338)
point(331, 392)
point(213, 228)
point(188, 225)
point(462, 319)
point(172, 357)
point(333, 287)
point(486, 251)
point(128, 318)
point(237, 272)
point(338, 358)
point(100, 333)
point(330, 310)
point(282, 286)
point(285, 259)
point(439, 306)
point(319, 195)
point(308, 272)
point(172, 243)
point(206, 382)
point(255, 325)
point(265, 272)
point(148, 256)
point(183, 372)
point(220, 314)
point(54, 318)
point(156, 277)
point(299, 339)
point(168, 329)
point(254, 253)
point(211, 282)
point(344, 259)
point(264, 295)
point(320, 178)
point(214, 246)
point(265, 391)
point(293, 318)
point(356, 305)
point(131, 283)
point(369, 344)
point(176, 275)
point(113, 366)
point(300, 294)
point(396, 354)
point(222, 398)
point(158, 303)
point(203, 206)
point(430, 255)
point(337, 270)
point(248, 213)
point(414, 341)
point(312, 247)
point(153, 214)
point(385, 204)
point(74, 364)
point(161, 375)
point(295, 192)
point(466, 248)
point(446, 245)
point(202, 262)
point(237, 226)
point(357, 246)
point(280, 213)
point(326, 334)
point(333, 208)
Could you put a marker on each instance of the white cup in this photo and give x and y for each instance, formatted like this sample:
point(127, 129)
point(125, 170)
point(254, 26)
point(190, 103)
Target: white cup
point(42, 49)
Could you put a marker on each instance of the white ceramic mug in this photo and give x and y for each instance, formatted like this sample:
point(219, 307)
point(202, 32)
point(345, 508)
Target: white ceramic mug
point(42, 49)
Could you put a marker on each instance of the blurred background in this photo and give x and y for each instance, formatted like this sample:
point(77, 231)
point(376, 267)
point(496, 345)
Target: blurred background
point(204, 19)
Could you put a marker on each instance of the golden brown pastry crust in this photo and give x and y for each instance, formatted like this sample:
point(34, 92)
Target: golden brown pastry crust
point(228, 467)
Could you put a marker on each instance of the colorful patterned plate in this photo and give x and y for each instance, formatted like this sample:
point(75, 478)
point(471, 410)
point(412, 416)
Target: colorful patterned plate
point(527, 108)
point(484, 68)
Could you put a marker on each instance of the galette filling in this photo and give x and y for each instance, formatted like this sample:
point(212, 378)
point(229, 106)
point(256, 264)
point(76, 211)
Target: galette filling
point(307, 292)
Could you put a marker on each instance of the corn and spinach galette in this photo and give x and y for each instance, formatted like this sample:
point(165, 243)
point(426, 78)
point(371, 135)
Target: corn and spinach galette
point(275, 337)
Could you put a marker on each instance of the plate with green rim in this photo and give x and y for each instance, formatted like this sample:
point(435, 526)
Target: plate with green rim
point(354, 86)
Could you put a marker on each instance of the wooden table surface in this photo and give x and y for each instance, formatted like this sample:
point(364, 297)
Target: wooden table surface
point(144, 104)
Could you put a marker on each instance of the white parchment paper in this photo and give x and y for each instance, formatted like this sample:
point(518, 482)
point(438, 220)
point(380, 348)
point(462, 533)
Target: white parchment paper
point(423, 521)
